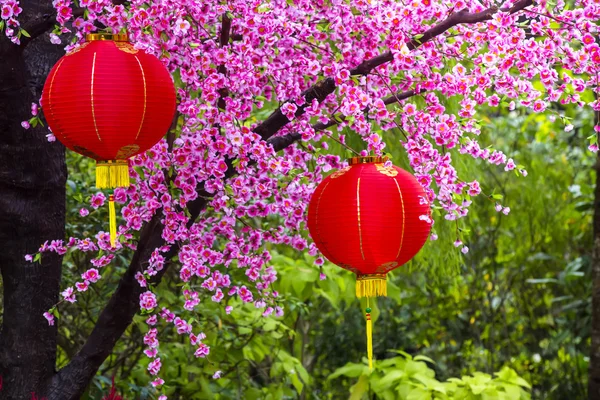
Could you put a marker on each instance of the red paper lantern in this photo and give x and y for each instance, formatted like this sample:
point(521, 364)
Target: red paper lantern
point(109, 101)
point(369, 219)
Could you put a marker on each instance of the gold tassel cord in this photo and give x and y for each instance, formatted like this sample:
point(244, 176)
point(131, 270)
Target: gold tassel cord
point(113, 220)
point(369, 337)
point(371, 285)
point(112, 174)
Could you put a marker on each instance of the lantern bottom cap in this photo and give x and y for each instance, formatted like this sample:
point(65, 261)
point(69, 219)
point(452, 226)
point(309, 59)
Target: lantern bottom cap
point(112, 174)
point(371, 285)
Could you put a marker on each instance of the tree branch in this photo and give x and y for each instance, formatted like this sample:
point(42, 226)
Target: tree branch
point(71, 381)
point(224, 41)
point(43, 24)
point(38, 26)
point(325, 87)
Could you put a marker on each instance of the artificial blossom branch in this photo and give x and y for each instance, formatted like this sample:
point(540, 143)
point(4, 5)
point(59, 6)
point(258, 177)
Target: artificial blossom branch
point(123, 305)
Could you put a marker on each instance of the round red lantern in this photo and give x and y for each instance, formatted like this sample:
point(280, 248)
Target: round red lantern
point(370, 219)
point(109, 101)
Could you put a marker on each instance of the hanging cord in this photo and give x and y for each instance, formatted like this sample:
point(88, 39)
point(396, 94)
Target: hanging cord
point(112, 215)
point(369, 335)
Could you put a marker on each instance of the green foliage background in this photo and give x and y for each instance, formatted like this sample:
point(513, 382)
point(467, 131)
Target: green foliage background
point(516, 308)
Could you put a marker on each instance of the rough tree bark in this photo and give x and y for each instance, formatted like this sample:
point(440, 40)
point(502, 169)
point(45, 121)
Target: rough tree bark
point(32, 210)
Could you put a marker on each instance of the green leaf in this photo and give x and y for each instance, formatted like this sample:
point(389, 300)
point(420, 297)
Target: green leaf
point(403, 353)
point(25, 33)
point(419, 394)
point(391, 377)
point(298, 385)
point(360, 388)
point(424, 358)
point(352, 370)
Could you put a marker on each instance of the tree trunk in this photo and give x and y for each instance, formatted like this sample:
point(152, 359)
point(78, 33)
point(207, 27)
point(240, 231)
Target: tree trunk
point(32, 210)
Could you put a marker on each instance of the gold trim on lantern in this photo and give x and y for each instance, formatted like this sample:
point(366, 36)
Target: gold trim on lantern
point(126, 47)
point(78, 49)
point(112, 174)
point(367, 160)
point(49, 105)
point(358, 216)
point(115, 37)
point(339, 172)
point(92, 97)
point(387, 171)
point(144, 113)
point(371, 285)
point(403, 217)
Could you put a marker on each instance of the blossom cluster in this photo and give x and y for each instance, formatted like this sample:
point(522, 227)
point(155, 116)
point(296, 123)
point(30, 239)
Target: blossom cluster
point(9, 23)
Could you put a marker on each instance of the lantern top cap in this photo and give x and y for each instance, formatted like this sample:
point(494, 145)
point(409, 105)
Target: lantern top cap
point(115, 37)
point(367, 160)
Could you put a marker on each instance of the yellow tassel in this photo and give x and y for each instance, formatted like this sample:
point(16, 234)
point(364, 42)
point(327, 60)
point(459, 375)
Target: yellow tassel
point(112, 174)
point(113, 220)
point(371, 285)
point(101, 176)
point(369, 339)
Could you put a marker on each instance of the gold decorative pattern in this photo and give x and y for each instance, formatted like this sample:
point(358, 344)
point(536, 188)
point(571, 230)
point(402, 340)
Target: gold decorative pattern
point(108, 163)
point(389, 171)
point(386, 267)
point(78, 49)
point(340, 172)
point(126, 47)
point(144, 79)
point(115, 37)
point(358, 214)
point(367, 277)
point(92, 96)
point(127, 151)
point(403, 217)
point(366, 160)
point(86, 152)
point(349, 268)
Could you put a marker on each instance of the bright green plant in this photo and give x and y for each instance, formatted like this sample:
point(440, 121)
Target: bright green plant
point(410, 378)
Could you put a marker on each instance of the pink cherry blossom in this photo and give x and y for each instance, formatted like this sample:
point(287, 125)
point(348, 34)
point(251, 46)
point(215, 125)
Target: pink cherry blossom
point(154, 366)
point(91, 275)
point(148, 300)
point(68, 295)
point(50, 318)
point(97, 200)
